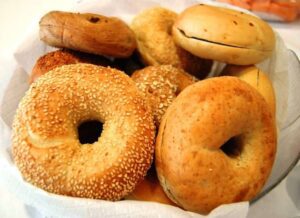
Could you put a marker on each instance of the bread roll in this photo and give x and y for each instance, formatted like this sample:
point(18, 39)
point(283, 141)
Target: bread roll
point(224, 35)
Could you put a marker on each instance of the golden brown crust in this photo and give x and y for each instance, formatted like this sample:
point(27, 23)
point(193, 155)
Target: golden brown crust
point(58, 58)
point(160, 85)
point(257, 79)
point(156, 46)
point(91, 33)
point(46, 148)
point(224, 35)
point(51, 60)
point(195, 165)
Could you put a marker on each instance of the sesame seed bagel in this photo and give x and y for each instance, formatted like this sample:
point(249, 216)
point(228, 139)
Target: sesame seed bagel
point(216, 144)
point(160, 85)
point(152, 28)
point(46, 146)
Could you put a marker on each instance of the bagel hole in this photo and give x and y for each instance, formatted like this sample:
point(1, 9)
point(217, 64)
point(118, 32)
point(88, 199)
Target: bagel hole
point(89, 131)
point(94, 19)
point(233, 147)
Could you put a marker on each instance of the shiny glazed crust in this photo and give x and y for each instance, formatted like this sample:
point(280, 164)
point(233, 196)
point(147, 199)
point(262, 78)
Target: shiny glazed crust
point(224, 35)
point(192, 165)
point(91, 33)
point(46, 148)
point(160, 85)
point(153, 30)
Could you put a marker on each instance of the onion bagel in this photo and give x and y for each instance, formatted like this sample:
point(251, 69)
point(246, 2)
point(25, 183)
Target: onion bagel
point(224, 35)
point(47, 145)
point(216, 144)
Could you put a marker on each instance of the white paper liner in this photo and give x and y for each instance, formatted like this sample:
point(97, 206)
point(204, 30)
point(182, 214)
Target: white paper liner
point(283, 68)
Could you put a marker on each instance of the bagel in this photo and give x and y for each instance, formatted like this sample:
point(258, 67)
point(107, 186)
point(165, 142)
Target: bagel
point(216, 144)
point(60, 57)
point(156, 46)
point(150, 190)
point(47, 146)
point(160, 85)
point(224, 35)
point(257, 79)
point(91, 33)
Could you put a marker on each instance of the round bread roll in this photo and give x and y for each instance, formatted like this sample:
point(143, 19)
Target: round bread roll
point(91, 33)
point(216, 144)
point(156, 46)
point(47, 144)
point(160, 85)
point(257, 79)
point(224, 35)
point(58, 58)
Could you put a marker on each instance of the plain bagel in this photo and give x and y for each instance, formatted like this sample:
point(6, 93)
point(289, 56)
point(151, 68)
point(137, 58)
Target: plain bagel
point(86, 32)
point(216, 144)
point(46, 139)
point(224, 35)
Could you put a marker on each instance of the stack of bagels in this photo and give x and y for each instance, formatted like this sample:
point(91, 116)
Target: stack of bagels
point(164, 131)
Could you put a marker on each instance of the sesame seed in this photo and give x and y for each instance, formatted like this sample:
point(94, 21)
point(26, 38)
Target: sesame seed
point(160, 85)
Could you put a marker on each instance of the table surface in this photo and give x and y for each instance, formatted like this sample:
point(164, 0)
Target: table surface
point(16, 16)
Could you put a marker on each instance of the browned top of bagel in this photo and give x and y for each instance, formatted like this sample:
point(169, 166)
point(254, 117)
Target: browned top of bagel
point(91, 33)
point(224, 34)
point(61, 57)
